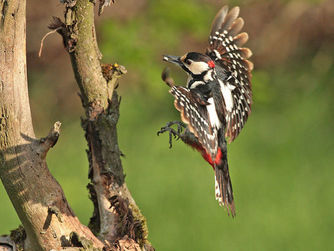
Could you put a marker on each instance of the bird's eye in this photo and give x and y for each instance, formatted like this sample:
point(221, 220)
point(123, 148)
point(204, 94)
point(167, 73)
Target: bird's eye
point(187, 61)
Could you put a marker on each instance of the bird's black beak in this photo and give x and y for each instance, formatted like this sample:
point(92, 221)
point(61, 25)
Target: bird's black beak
point(173, 59)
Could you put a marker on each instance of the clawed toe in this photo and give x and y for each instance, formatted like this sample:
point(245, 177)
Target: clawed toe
point(172, 132)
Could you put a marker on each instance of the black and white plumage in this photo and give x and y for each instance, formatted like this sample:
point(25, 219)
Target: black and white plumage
point(196, 116)
point(216, 102)
point(224, 48)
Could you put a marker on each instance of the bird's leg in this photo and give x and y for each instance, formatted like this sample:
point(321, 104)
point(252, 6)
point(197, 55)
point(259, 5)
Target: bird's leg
point(172, 132)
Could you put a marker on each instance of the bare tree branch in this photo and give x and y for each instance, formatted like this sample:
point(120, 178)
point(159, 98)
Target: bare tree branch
point(48, 221)
point(35, 194)
point(49, 141)
point(117, 218)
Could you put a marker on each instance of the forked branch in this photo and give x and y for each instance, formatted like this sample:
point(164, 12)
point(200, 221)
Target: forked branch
point(117, 219)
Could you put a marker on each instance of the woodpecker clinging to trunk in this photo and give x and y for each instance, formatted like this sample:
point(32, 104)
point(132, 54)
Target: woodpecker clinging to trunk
point(216, 101)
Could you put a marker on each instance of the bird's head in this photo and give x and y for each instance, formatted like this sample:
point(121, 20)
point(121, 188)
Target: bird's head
point(193, 63)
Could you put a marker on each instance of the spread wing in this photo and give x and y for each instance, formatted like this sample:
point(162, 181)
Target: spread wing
point(194, 113)
point(224, 48)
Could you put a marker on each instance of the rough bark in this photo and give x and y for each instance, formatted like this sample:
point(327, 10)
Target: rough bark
point(48, 221)
point(116, 219)
point(37, 197)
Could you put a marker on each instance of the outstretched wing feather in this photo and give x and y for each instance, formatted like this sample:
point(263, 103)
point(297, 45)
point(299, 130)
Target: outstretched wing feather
point(224, 48)
point(195, 115)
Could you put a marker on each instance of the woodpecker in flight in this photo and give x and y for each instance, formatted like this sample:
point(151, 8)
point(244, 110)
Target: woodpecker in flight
point(216, 101)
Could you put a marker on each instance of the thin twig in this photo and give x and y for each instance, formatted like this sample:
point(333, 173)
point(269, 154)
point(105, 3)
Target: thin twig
point(42, 41)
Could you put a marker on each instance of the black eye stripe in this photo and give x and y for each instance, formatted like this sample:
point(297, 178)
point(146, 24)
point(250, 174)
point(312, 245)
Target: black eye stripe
point(187, 61)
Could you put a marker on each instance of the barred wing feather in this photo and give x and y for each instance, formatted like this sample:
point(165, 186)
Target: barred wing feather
point(195, 115)
point(224, 48)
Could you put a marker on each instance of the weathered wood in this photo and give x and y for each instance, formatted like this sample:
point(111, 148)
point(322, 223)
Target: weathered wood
point(35, 194)
point(48, 221)
point(101, 104)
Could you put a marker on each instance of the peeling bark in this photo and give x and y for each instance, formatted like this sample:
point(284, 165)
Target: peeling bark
point(101, 103)
point(35, 194)
point(48, 221)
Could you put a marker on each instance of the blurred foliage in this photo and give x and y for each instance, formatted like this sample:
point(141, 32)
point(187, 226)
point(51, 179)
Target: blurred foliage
point(281, 164)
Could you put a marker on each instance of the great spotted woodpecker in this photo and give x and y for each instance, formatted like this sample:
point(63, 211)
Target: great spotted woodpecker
point(216, 101)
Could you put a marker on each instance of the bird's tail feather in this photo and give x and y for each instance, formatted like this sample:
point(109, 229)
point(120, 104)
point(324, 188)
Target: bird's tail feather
point(223, 187)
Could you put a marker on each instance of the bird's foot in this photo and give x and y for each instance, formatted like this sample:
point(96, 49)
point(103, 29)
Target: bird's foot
point(172, 132)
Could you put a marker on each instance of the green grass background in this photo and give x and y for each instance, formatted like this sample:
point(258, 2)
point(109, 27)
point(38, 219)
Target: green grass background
point(281, 165)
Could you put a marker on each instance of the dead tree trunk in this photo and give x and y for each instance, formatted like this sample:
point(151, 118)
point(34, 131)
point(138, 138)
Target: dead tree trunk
point(49, 222)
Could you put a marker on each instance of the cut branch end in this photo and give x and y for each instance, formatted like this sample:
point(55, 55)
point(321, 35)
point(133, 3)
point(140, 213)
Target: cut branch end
point(49, 141)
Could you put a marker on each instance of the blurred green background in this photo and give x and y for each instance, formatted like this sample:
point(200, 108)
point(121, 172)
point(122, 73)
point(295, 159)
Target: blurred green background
point(282, 163)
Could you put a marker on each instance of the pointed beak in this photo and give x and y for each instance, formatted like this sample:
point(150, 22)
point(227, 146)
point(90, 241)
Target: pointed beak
point(172, 59)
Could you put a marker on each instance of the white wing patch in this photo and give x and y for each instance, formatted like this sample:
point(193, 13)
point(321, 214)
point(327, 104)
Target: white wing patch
point(227, 93)
point(213, 117)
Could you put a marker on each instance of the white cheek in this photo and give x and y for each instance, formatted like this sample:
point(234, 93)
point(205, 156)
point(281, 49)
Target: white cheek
point(198, 67)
